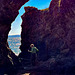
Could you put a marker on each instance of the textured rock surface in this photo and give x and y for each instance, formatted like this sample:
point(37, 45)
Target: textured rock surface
point(8, 13)
point(52, 31)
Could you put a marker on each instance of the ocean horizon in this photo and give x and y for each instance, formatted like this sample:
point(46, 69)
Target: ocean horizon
point(14, 42)
point(14, 35)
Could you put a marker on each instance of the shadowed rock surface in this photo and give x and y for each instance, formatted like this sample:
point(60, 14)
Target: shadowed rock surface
point(8, 13)
point(52, 31)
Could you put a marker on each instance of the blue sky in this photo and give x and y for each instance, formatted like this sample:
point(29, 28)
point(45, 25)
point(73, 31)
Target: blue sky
point(16, 25)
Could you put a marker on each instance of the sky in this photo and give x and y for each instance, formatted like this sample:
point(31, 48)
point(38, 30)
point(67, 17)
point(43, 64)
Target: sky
point(16, 25)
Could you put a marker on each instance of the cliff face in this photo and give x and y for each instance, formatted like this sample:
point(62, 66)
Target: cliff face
point(8, 13)
point(33, 28)
point(52, 31)
point(64, 12)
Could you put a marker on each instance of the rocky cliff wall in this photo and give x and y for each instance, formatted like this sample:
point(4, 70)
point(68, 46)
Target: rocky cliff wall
point(8, 13)
point(52, 31)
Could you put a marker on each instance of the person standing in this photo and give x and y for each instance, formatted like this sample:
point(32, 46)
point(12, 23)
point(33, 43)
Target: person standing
point(33, 54)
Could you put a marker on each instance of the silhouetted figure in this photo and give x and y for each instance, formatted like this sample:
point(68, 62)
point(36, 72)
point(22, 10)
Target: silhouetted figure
point(33, 54)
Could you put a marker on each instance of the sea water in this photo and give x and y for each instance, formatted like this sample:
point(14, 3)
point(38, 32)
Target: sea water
point(14, 42)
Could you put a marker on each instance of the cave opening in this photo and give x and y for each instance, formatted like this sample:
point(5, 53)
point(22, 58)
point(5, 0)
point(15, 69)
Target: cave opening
point(14, 37)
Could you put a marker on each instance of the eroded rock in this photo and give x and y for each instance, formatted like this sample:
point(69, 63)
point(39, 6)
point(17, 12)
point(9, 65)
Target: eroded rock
point(52, 31)
point(8, 13)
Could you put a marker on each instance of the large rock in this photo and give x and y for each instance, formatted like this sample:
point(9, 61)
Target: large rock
point(52, 31)
point(8, 13)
